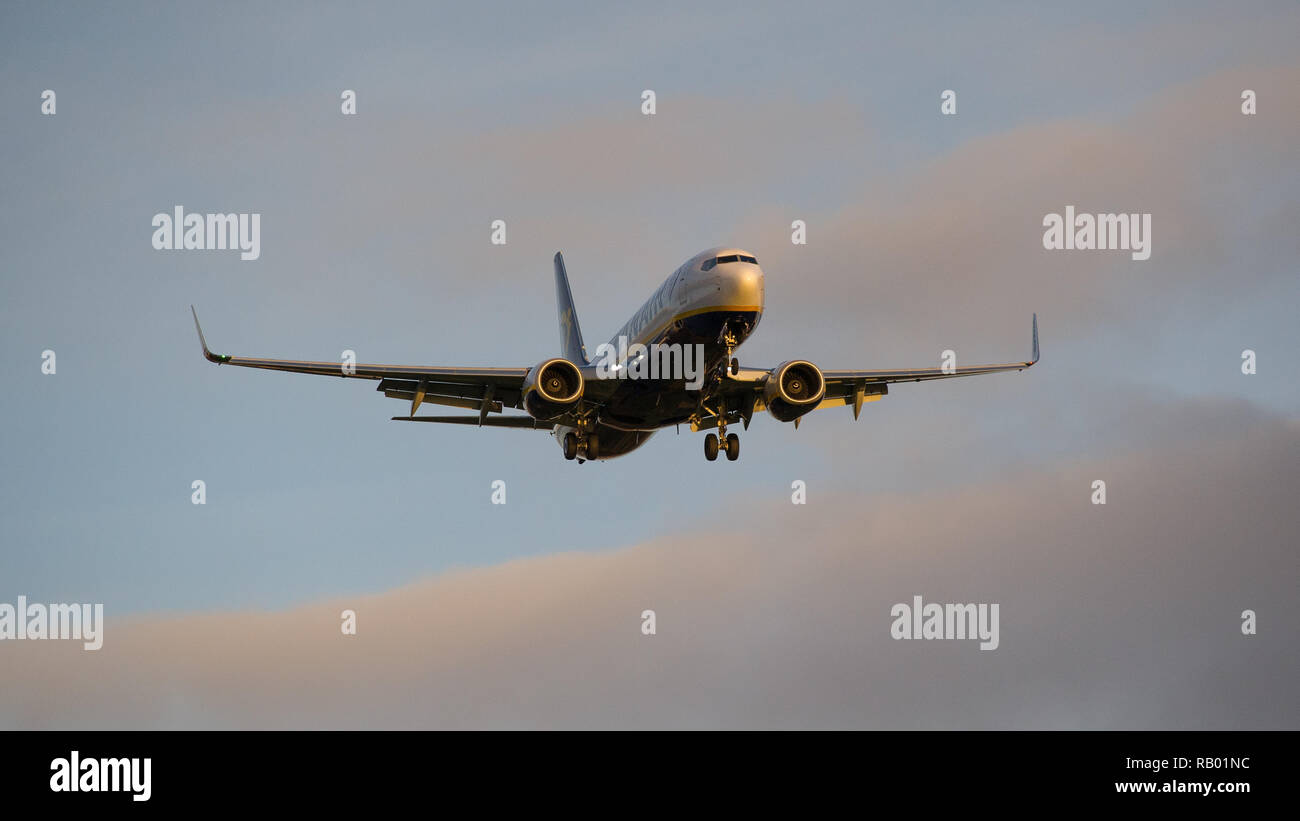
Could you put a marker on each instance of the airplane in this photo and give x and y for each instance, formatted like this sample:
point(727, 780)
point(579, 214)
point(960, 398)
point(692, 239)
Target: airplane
point(714, 301)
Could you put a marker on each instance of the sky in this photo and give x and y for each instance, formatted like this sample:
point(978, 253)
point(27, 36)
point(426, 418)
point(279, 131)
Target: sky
point(924, 234)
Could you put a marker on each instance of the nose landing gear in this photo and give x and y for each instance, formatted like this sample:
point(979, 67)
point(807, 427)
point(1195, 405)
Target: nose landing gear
point(729, 366)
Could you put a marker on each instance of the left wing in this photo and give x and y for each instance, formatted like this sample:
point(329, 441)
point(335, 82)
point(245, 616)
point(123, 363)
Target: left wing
point(840, 382)
point(855, 387)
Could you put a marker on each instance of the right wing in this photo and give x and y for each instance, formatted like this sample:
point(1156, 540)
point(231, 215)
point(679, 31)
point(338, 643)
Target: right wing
point(482, 389)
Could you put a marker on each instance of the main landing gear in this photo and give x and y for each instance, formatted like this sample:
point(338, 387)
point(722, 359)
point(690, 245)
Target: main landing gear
point(730, 444)
point(581, 445)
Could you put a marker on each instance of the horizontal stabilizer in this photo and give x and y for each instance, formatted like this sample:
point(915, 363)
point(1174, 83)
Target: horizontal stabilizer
point(526, 422)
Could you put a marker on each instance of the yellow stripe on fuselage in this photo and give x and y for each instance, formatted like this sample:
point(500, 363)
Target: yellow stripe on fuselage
point(641, 338)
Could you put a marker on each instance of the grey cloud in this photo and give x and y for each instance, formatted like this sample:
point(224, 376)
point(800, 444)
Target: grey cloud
point(774, 615)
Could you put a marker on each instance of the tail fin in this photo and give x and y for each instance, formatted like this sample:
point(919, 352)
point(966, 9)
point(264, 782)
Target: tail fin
point(571, 347)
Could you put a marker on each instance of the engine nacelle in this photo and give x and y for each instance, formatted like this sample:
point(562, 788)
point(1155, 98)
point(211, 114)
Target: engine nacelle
point(793, 389)
point(552, 388)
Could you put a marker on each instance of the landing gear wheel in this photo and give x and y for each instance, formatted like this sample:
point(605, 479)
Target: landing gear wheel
point(735, 366)
point(570, 446)
point(733, 447)
point(593, 446)
point(711, 447)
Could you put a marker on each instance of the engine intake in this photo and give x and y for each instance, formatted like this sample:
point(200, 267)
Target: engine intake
point(793, 389)
point(552, 388)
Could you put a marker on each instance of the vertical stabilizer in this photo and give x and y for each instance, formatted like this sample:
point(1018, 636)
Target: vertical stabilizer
point(571, 347)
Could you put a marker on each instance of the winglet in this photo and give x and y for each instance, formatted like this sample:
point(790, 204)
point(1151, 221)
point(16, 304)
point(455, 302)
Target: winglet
point(207, 354)
point(1035, 359)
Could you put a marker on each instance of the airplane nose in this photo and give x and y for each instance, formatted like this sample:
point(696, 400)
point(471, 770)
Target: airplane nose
point(741, 285)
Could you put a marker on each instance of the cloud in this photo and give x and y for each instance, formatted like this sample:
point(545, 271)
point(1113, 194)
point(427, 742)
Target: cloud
point(773, 615)
point(957, 243)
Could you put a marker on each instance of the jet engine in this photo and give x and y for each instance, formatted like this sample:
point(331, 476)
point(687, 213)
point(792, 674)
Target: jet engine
point(552, 388)
point(792, 389)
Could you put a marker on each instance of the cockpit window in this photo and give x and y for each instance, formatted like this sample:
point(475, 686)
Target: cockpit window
point(708, 265)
